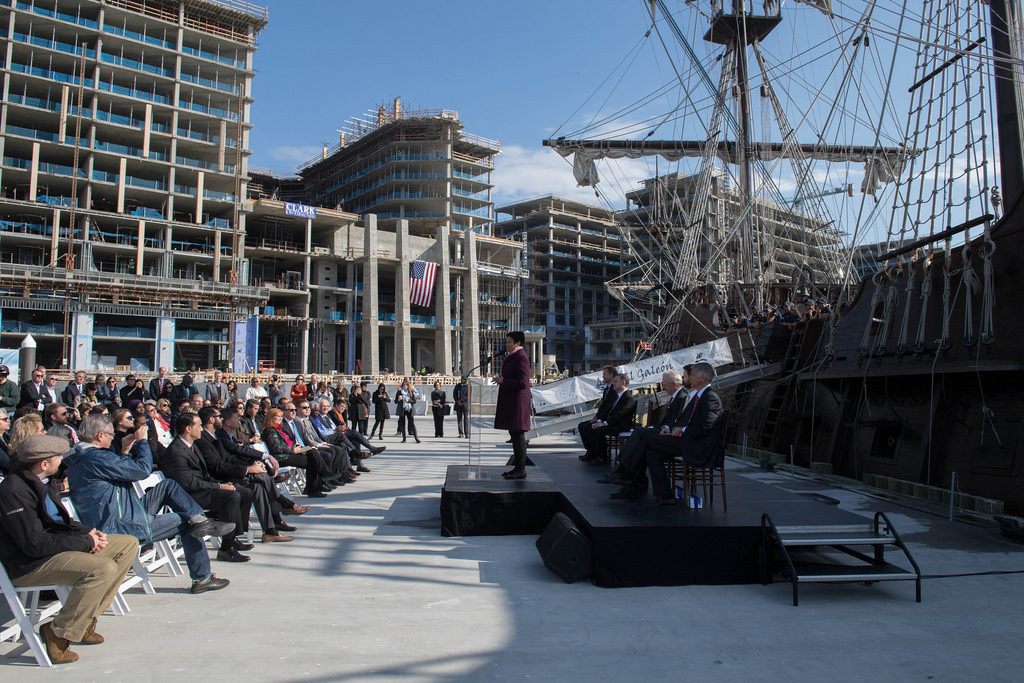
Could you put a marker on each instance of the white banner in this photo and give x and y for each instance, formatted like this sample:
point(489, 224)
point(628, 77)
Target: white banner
point(642, 373)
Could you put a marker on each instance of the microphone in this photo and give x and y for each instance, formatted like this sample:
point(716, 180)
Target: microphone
point(486, 361)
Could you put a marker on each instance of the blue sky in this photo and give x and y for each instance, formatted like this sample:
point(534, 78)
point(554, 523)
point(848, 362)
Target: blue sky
point(517, 71)
point(514, 71)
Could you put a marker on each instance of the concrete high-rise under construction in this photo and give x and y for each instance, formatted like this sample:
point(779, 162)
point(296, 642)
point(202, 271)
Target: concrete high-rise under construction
point(124, 141)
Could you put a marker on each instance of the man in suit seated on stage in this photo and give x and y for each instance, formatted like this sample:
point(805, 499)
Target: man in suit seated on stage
point(616, 419)
point(699, 438)
point(73, 390)
point(183, 463)
point(630, 473)
point(585, 429)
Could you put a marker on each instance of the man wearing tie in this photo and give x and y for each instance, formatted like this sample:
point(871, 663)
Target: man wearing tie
point(631, 472)
point(610, 421)
point(156, 385)
point(698, 439)
point(33, 392)
point(607, 398)
point(72, 390)
point(183, 463)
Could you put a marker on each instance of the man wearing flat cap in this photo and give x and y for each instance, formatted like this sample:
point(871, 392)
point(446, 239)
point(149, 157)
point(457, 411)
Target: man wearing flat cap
point(40, 544)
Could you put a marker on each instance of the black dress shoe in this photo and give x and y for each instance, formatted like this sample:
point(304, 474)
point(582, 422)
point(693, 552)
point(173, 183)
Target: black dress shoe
point(315, 494)
point(587, 457)
point(609, 479)
point(242, 545)
point(362, 468)
point(514, 474)
point(210, 583)
point(625, 493)
point(663, 501)
point(418, 440)
point(231, 556)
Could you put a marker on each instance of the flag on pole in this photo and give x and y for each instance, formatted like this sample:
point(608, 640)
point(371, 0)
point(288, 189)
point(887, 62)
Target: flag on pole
point(421, 281)
point(644, 346)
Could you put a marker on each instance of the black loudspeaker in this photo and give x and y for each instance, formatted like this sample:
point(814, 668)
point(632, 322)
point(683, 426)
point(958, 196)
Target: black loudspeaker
point(565, 550)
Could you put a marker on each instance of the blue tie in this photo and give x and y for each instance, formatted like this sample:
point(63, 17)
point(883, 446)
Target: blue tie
point(298, 437)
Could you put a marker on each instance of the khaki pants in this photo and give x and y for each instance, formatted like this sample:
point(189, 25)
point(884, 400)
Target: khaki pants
point(94, 579)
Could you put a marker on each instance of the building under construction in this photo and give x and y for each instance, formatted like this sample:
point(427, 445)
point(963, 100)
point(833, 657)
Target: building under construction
point(124, 141)
point(573, 249)
point(340, 284)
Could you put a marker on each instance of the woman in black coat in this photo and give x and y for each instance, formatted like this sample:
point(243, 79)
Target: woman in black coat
point(381, 412)
point(438, 399)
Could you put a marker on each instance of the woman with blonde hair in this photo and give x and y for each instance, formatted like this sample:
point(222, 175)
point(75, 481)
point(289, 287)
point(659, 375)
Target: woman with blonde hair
point(25, 426)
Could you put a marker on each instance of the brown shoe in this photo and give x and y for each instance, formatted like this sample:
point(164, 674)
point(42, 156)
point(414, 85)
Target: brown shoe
point(91, 637)
point(56, 647)
point(277, 538)
point(296, 510)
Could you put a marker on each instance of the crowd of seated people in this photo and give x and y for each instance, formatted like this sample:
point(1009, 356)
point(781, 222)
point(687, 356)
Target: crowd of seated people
point(221, 456)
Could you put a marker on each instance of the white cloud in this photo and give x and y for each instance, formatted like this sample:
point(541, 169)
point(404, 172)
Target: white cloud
point(520, 173)
point(294, 154)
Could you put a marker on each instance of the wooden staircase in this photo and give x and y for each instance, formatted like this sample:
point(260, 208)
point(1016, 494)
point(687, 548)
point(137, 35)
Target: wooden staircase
point(808, 554)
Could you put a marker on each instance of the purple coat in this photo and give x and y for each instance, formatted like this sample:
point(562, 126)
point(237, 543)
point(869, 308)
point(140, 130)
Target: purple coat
point(513, 408)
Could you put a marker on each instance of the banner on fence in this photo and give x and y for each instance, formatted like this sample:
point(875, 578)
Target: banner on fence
point(642, 373)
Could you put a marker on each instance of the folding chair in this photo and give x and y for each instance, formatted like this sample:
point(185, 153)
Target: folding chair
point(163, 554)
point(26, 621)
point(119, 606)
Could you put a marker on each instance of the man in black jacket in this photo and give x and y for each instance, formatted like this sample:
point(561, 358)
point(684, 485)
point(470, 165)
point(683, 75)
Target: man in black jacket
point(33, 392)
point(183, 463)
point(73, 389)
point(156, 385)
point(614, 417)
point(631, 473)
point(40, 544)
point(243, 473)
point(608, 373)
point(698, 439)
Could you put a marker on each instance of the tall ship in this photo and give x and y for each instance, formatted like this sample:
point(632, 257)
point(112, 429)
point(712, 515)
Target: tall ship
point(836, 188)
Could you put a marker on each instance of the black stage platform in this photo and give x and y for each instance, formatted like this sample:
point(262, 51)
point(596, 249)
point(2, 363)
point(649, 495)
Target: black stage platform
point(633, 544)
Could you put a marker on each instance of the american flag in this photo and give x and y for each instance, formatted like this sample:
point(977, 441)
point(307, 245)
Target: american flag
point(421, 281)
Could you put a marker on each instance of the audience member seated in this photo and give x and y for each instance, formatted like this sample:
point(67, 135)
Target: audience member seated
point(245, 474)
point(337, 460)
point(40, 544)
point(182, 462)
point(226, 435)
point(101, 489)
point(287, 452)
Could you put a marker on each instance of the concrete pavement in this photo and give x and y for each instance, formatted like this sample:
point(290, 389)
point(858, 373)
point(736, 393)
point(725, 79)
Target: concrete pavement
point(370, 591)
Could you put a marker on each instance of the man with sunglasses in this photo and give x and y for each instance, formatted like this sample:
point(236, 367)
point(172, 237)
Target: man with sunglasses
point(33, 392)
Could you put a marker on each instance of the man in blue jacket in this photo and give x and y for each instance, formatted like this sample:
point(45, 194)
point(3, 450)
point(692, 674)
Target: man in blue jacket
point(101, 489)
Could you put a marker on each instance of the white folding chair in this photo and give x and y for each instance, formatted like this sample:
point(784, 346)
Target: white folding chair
point(119, 605)
point(26, 621)
point(163, 554)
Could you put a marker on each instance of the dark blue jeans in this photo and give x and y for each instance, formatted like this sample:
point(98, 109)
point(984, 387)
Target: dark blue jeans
point(162, 527)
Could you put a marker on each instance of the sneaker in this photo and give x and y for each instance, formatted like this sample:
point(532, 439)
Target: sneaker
point(209, 527)
point(210, 583)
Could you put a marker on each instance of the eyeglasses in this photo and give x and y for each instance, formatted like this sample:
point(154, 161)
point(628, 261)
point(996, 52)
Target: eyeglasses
point(110, 434)
point(37, 376)
point(4, 417)
point(289, 410)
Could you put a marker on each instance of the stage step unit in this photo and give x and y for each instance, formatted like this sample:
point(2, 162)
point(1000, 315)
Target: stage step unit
point(808, 554)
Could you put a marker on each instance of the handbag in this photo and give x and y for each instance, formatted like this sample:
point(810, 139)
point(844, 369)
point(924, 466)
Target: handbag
point(447, 409)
